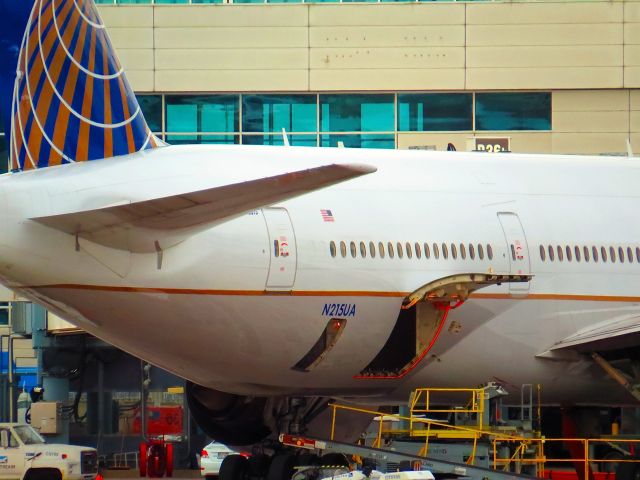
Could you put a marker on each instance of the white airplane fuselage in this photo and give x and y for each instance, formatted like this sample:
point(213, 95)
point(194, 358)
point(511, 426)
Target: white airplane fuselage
point(221, 310)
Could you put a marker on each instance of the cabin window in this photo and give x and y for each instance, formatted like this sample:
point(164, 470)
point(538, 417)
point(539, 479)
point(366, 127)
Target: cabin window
point(463, 251)
point(418, 250)
point(568, 250)
point(585, 251)
point(363, 250)
point(427, 252)
point(630, 254)
point(472, 252)
point(390, 249)
point(576, 250)
point(542, 253)
point(594, 251)
point(612, 254)
point(352, 247)
point(621, 254)
point(454, 251)
point(332, 248)
point(343, 249)
point(381, 249)
point(480, 252)
point(638, 254)
point(408, 249)
point(436, 252)
point(445, 251)
point(550, 249)
point(399, 247)
point(372, 249)
point(603, 254)
point(489, 251)
point(560, 254)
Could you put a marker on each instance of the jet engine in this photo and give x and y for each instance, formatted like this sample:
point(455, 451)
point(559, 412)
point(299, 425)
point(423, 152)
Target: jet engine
point(246, 420)
point(227, 418)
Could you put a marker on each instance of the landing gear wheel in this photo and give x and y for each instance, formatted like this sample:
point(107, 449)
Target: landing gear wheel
point(281, 467)
point(234, 467)
point(334, 459)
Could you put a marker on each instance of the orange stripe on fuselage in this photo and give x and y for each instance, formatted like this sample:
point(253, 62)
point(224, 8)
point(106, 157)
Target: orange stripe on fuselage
point(82, 152)
point(556, 296)
point(324, 293)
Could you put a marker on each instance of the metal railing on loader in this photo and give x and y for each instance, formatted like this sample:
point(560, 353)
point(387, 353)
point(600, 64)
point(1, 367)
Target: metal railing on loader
point(451, 469)
point(510, 453)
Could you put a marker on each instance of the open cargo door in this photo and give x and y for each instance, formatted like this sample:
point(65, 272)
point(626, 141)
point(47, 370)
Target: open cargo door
point(421, 319)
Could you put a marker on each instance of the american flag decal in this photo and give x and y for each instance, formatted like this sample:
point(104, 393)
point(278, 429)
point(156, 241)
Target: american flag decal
point(327, 216)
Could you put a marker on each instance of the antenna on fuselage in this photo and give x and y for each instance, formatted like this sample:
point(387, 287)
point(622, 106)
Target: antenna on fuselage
point(285, 138)
point(629, 149)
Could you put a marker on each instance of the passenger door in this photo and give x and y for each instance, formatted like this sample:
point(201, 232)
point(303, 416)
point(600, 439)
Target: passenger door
point(11, 457)
point(518, 250)
point(282, 245)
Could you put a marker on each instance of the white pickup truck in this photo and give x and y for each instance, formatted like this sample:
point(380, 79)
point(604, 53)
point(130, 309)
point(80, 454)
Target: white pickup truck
point(24, 455)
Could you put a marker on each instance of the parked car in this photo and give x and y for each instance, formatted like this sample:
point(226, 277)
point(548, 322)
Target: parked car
point(211, 458)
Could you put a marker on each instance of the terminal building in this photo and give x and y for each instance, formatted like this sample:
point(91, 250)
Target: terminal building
point(538, 77)
point(551, 77)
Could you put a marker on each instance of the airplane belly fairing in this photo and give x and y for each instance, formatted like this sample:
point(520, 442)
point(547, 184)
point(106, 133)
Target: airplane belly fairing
point(254, 340)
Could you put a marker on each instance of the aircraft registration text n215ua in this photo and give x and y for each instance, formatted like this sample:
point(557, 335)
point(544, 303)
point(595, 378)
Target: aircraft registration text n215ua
point(260, 274)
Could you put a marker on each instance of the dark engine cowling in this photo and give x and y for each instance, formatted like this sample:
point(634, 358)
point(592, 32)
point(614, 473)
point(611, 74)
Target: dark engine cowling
point(227, 418)
point(246, 420)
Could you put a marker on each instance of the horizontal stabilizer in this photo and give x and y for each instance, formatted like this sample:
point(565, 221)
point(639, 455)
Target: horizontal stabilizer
point(145, 226)
point(613, 334)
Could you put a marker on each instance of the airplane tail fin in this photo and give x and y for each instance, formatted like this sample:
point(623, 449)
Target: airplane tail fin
point(70, 100)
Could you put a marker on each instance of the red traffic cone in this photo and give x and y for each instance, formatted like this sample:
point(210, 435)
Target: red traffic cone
point(99, 477)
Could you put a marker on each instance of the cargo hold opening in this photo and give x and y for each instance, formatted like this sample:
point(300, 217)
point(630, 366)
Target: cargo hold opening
point(420, 321)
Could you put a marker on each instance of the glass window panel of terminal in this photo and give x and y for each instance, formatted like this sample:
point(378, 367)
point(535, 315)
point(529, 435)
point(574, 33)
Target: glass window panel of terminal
point(272, 113)
point(513, 111)
point(359, 140)
point(178, 139)
point(201, 113)
point(433, 112)
point(276, 139)
point(355, 113)
point(151, 106)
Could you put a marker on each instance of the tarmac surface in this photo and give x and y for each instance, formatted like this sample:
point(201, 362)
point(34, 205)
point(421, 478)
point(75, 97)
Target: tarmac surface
point(133, 475)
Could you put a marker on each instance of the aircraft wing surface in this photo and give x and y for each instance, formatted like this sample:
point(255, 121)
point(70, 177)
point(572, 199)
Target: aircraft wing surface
point(146, 226)
point(617, 333)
